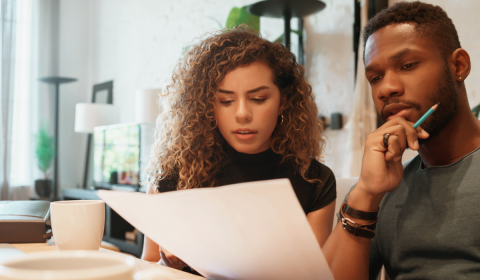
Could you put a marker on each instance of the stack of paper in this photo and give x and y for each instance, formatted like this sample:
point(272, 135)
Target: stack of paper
point(254, 230)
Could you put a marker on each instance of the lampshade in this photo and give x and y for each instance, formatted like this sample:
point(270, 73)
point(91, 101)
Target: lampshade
point(90, 115)
point(146, 105)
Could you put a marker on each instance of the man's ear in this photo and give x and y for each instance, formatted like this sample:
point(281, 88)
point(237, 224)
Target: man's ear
point(460, 60)
point(283, 101)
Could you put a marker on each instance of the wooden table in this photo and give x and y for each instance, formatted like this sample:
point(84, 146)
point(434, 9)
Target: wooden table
point(140, 265)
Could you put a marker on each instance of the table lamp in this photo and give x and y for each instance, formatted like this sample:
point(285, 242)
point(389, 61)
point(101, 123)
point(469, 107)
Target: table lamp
point(147, 105)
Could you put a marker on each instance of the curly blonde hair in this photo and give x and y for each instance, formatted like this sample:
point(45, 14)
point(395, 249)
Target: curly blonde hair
point(189, 148)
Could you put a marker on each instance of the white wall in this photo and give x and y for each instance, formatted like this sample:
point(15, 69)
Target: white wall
point(73, 53)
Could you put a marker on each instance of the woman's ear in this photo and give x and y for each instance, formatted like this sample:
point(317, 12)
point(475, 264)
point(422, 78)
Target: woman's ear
point(460, 61)
point(283, 102)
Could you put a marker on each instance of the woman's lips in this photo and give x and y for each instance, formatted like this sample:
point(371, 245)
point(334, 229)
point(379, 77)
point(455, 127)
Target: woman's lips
point(244, 134)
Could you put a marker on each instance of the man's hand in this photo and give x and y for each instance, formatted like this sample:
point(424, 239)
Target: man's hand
point(170, 260)
point(382, 168)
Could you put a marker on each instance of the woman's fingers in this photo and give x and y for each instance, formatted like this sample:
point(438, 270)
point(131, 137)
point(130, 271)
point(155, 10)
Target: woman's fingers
point(169, 258)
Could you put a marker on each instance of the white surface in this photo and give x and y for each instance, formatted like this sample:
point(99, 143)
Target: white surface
point(146, 105)
point(7, 252)
point(78, 224)
point(254, 230)
point(66, 265)
point(90, 115)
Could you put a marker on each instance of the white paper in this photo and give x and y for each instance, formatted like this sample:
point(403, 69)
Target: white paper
point(254, 230)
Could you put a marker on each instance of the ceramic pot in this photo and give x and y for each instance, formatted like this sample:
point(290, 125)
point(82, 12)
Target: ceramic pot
point(43, 188)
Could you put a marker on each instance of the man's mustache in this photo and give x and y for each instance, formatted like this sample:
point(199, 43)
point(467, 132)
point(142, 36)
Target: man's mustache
point(409, 103)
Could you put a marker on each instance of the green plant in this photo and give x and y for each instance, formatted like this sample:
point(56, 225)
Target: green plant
point(239, 16)
point(44, 149)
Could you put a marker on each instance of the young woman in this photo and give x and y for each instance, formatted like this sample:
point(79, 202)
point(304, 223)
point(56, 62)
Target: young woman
point(240, 111)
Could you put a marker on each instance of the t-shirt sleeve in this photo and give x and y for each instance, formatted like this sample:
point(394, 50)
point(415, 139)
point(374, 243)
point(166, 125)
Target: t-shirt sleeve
point(326, 191)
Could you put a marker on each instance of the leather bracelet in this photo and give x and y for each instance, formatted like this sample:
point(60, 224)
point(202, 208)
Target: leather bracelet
point(366, 230)
point(357, 214)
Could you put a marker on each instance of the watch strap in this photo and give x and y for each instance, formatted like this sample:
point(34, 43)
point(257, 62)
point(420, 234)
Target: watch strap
point(365, 230)
point(357, 214)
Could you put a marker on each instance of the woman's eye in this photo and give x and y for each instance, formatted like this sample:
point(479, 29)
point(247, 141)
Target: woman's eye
point(226, 102)
point(258, 100)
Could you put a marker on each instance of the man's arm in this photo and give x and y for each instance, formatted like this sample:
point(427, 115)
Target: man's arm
point(382, 171)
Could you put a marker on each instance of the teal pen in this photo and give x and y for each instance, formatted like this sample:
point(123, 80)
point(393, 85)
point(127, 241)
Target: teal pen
point(427, 114)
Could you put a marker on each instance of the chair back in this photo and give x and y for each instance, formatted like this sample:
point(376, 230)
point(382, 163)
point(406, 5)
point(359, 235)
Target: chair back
point(343, 187)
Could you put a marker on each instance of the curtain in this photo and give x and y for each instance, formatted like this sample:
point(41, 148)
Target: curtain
point(363, 118)
point(7, 45)
point(31, 102)
point(25, 99)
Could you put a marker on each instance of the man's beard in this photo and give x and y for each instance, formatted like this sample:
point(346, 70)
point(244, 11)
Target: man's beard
point(447, 96)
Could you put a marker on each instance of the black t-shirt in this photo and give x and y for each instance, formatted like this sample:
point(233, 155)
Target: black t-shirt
point(266, 166)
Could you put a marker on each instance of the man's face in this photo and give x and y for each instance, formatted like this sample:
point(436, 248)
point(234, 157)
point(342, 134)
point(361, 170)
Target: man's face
point(408, 75)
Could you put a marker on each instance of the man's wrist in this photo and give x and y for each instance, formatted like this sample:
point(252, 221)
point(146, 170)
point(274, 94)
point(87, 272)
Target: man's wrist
point(363, 201)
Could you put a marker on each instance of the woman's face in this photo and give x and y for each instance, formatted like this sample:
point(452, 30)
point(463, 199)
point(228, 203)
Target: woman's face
point(247, 107)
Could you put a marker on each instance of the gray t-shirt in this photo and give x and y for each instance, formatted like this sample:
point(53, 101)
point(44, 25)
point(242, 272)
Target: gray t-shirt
point(429, 227)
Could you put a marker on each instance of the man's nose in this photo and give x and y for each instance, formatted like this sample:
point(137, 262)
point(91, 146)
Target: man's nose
point(390, 86)
point(243, 113)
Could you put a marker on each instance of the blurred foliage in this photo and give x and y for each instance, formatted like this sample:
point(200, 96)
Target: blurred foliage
point(44, 149)
point(476, 111)
point(239, 16)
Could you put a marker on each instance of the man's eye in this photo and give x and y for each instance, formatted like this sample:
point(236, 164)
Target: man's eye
point(258, 100)
point(374, 79)
point(406, 66)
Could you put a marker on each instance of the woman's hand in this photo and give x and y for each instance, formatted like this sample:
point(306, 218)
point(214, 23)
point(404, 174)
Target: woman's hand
point(170, 260)
point(382, 169)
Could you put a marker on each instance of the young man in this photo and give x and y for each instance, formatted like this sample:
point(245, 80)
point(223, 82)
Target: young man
point(428, 209)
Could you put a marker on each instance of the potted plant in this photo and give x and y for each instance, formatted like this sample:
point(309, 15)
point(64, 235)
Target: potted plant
point(44, 151)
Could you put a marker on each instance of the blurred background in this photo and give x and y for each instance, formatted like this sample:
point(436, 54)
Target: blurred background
point(137, 43)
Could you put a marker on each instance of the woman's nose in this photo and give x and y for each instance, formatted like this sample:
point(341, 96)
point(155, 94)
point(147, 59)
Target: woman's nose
point(243, 113)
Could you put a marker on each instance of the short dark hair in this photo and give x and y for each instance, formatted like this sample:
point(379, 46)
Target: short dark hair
point(429, 20)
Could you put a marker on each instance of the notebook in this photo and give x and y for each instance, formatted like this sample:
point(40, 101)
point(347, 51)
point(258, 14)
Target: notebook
point(23, 221)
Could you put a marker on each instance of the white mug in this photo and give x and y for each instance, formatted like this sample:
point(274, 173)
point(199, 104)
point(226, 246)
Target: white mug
point(78, 224)
point(69, 265)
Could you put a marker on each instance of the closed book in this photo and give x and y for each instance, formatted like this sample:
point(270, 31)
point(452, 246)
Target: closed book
point(23, 221)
